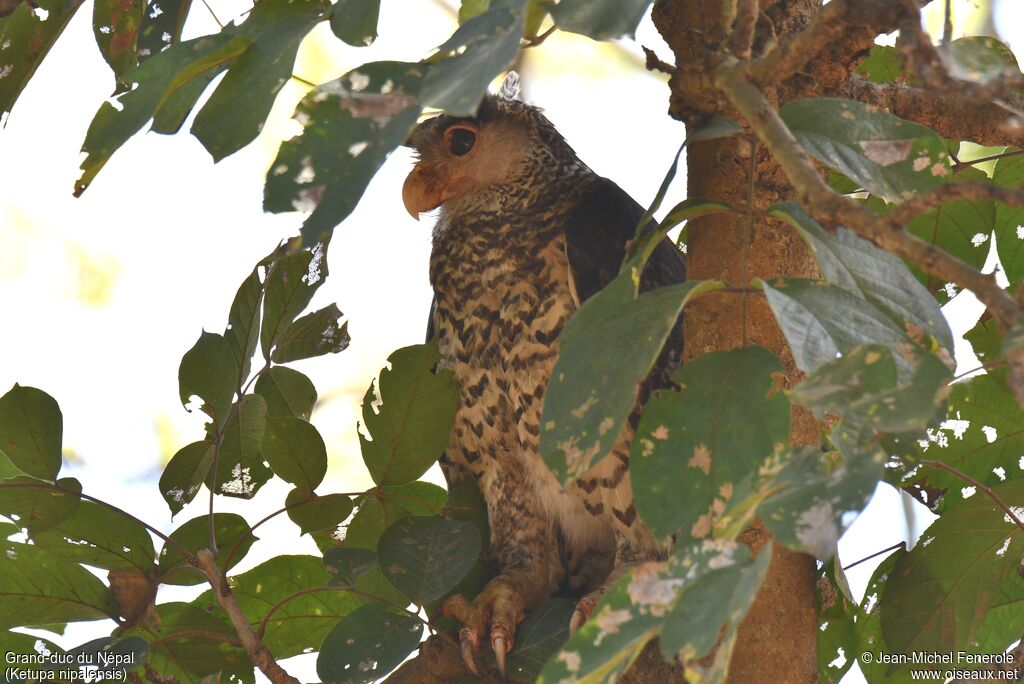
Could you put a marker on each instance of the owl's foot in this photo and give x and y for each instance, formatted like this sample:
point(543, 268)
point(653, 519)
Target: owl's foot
point(494, 614)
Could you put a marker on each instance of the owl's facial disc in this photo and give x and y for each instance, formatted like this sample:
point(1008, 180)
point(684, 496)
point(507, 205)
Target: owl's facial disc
point(444, 171)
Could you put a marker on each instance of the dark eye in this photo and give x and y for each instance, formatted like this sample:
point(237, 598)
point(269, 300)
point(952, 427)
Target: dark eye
point(460, 140)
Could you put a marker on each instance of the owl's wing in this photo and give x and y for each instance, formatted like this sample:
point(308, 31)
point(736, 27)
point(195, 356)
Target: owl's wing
point(596, 235)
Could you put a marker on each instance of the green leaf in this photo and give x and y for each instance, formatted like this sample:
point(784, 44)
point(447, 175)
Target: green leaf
point(1009, 173)
point(97, 536)
point(185, 474)
point(193, 535)
point(350, 126)
point(38, 506)
point(290, 286)
point(158, 79)
point(31, 428)
point(370, 642)
point(539, 637)
point(987, 448)
point(243, 329)
point(313, 513)
point(822, 321)
point(869, 629)
point(938, 594)
point(347, 564)
point(161, 26)
point(109, 656)
point(364, 532)
point(857, 266)
point(419, 498)
point(710, 607)
point(287, 585)
point(26, 35)
point(694, 450)
point(863, 385)
point(236, 111)
point(1004, 622)
point(981, 59)
point(962, 228)
point(490, 40)
point(208, 371)
point(593, 388)
point(240, 468)
point(890, 157)
point(425, 557)
point(600, 19)
point(116, 24)
point(287, 392)
point(410, 430)
point(472, 8)
point(314, 334)
point(39, 589)
point(295, 451)
point(355, 21)
point(882, 65)
point(193, 643)
point(837, 629)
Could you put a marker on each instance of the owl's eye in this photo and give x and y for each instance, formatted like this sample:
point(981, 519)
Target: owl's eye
point(460, 140)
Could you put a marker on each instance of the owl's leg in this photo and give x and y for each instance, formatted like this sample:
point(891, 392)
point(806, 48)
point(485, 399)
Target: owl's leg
point(526, 548)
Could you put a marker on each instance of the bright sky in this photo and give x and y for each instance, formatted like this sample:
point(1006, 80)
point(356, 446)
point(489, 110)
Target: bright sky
point(100, 296)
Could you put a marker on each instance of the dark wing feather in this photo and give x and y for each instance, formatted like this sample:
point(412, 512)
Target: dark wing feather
point(596, 235)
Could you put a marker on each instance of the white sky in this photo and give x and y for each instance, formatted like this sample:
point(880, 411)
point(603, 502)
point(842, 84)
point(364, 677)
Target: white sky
point(100, 296)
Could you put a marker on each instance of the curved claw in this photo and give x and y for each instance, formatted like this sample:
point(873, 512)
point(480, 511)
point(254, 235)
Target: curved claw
point(500, 648)
point(467, 645)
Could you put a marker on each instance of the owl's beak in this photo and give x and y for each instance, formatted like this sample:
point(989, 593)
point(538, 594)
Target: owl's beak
point(423, 191)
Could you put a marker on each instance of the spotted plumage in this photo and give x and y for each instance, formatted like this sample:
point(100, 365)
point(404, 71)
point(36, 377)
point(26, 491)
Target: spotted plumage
point(526, 233)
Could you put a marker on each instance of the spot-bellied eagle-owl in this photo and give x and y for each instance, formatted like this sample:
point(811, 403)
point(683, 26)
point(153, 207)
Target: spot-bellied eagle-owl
point(525, 234)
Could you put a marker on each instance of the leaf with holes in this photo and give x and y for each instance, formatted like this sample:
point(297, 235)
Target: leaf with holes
point(243, 331)
point(890, 157)
point(26, 35)
point(238, 108)
point(240, 468)
point(938, 594)
point(1009, 173)
point(347, 564)
point(424, 557)
point(116, 25)
point(31, 429)
point(291, 284)
point(350, 126)
point(367, 644)
point(185, 474)
point(593, 387)
point(40, 589)
point(161, 26)
point(695, 449)
point(98, 536)
point(314, 334)
point(208, 371)
point(409, 431)
point(313, 512)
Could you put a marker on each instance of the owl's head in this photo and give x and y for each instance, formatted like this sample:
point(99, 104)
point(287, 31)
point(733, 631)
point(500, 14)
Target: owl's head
point(507, 144)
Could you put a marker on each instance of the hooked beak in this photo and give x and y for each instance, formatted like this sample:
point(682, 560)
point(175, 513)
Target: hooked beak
point(423, 192)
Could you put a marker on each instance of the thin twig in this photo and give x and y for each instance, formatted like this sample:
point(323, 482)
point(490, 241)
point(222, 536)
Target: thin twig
point(742, 37)
point(257, 650)
point(947, 25)
point(939, 465)
point(876, 554)
point(905, 212)
point(213, 14)
point(991, 157)
point(534, 41)
point(748, 237)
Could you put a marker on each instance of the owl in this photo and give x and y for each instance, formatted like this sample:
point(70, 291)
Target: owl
point(525, 234)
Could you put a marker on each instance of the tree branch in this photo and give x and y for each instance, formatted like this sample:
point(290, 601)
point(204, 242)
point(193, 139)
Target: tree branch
point(951, 115)
point(741, 39)
point(902, 214)
point(939, 465)
point(258, 652)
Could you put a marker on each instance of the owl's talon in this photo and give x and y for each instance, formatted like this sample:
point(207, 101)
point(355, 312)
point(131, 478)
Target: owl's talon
point(584, 609)
point(500, 648)
point(467, 645)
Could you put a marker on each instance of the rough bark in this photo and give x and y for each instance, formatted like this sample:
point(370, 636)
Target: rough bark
point(776, 642)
